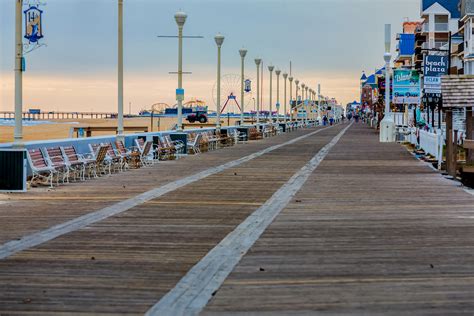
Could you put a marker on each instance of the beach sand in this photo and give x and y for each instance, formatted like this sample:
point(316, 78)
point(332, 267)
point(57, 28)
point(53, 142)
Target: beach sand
point(62, 128)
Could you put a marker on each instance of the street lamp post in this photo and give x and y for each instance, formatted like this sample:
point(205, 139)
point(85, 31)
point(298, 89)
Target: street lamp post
point(257, 63)
point(120, 133)
point(18, 132)
point(180, 18)
point(290, 79)
point(219, 38)
point(270, 118)
point(302, 100)
point(297, 82)
point(243, 53)
point(319, 104)
point(310, 104)
point(285, 75)
point(387, 125)
point(277, 73)
point(307, 105)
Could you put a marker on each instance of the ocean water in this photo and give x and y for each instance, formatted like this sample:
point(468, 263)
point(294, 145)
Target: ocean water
point(11, 122)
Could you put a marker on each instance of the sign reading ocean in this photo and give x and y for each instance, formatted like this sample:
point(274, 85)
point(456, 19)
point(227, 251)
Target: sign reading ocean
point(406, 87)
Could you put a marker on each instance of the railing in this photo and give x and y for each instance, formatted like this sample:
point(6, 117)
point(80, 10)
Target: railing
point(412, 137)
point(440, 44)
point(441, 27)
point(430, 143)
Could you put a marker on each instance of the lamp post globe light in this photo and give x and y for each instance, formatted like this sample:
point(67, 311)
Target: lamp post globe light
point(258, 61)
point(270, 117)
point(180, 18)
point(219, 38)
point(290, 79)
point(277, 73)
point(285, 76)
point(387, 125)
point(243, 53)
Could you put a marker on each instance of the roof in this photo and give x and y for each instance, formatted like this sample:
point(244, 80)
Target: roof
point(450, 5)
point(381, 71)
point(370, 80)
point(407, 44)
point(364, 77)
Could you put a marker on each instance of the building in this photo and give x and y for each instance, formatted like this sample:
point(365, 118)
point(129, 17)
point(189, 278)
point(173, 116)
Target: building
point(406, 44)
point(439, 33)
point(465, 50)
point(440, 20)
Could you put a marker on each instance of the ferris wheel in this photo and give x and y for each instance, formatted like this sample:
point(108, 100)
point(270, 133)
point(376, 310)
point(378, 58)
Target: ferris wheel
point(230, 93)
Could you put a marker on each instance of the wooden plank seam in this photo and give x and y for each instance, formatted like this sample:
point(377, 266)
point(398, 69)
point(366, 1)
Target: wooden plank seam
point(192, 293)
point(29, 241)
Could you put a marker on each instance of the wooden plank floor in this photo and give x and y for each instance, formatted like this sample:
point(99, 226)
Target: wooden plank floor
point(372, 232)
point(41, 207)
point(126, 263)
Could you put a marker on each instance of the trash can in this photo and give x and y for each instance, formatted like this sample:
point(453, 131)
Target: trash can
point(13, 170)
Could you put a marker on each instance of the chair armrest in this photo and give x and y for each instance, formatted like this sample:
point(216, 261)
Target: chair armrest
point(88, 156)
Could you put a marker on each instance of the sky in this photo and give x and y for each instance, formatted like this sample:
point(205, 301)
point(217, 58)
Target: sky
point(328, 42)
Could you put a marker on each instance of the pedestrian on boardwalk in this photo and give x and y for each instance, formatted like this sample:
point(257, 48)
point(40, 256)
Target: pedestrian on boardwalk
point(331, 121)
point(325, 120)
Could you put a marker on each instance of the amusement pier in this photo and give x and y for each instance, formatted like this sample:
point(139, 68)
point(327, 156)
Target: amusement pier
point(270, 199)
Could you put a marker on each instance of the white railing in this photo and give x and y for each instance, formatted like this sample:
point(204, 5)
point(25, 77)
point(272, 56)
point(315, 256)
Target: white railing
point(439, 45)
point(441, 27)
point(399, 119)
point(412, 137)
point(430, 143)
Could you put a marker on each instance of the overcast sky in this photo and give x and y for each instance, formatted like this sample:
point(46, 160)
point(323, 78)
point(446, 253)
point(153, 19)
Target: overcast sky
point(328, 41)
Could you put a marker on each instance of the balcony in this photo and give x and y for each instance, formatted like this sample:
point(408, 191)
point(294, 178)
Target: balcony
point(439, 45)
point(441, 27)
point(460, 49)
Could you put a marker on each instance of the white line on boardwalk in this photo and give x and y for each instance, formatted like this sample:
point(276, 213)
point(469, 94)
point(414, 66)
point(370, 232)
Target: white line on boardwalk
point(35, 239)
point(194, 290)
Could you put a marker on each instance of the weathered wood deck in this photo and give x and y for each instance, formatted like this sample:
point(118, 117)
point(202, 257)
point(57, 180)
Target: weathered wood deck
point(371, 231)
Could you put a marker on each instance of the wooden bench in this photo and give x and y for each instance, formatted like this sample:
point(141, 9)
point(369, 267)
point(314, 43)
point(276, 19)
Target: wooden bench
point(254, 134)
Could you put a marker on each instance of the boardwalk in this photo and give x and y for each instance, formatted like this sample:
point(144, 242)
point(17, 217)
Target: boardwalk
point(354, 226)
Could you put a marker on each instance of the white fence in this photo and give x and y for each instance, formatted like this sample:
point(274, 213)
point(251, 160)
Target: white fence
point(431, 143)
point(406, 119)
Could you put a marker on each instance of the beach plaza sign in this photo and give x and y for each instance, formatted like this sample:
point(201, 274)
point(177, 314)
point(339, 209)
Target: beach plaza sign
point(434, 68)
point(406, 87)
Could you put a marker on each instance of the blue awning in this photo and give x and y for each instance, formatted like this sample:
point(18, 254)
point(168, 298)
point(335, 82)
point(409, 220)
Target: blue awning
point(407, 44)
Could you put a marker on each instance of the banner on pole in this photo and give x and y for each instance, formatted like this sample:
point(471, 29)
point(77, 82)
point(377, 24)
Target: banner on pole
point(33, 24)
